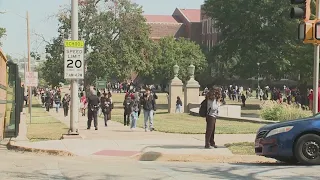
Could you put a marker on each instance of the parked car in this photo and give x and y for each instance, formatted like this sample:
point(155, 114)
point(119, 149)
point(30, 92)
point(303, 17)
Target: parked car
point(291, 141)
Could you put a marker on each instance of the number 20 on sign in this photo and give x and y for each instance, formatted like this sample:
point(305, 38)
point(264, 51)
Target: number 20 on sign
point(73, 59)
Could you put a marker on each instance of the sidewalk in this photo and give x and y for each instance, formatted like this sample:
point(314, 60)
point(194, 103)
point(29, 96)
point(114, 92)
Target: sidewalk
point(119, 141)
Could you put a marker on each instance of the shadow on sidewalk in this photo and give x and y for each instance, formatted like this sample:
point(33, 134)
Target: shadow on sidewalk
point(150, 156)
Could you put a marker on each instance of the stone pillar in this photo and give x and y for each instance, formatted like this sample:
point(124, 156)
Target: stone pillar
point(175, 89)
point(191, 91)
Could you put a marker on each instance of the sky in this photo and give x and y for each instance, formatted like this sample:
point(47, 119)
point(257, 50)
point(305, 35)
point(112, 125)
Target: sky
point(44, 24)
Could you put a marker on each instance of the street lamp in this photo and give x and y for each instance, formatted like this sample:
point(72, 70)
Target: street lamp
point(258, 74)
point(28, 45)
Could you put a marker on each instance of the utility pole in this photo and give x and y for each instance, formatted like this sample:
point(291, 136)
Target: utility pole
point(74, 112)
point(316, 67)
point(308, 33)
point(29, 63)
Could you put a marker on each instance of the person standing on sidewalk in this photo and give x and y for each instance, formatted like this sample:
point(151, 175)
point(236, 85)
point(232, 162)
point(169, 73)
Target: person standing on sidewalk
point(83, 104)
point(127, 105)
point(48, 101)
point(57, 101)
point(106, 106)
point(135, 111)
point(213, 100)
point(93, 108)
point(149, 107)
point(65, 104)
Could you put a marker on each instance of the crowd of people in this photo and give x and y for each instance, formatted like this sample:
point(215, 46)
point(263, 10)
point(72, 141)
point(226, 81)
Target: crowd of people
point(134, 102)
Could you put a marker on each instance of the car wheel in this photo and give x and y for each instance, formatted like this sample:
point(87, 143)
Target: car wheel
point(288, 160)
point(307, 149)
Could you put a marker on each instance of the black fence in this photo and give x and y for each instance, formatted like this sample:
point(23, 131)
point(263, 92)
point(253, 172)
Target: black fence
point(14, 102)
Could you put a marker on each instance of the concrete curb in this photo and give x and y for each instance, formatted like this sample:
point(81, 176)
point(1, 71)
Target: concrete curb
point(156, 156)
point(11, 146)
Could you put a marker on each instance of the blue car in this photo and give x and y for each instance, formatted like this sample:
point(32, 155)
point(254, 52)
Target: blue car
point(291, 141)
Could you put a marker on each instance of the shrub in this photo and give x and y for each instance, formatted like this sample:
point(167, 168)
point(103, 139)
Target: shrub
point(271, 110)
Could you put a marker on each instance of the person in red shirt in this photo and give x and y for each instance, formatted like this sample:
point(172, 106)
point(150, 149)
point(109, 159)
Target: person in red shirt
point(311, 100)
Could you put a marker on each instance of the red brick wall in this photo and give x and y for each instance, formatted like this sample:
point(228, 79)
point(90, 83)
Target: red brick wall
point(159, 30)
point(3, 94)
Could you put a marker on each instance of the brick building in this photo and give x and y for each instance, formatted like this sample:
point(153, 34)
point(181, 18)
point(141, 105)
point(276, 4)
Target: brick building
point(209, 34)
point(192, 24)
point(182, 23)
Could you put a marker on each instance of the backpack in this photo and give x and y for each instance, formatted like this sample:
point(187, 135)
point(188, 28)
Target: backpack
point(135, 106)
point(203, 110)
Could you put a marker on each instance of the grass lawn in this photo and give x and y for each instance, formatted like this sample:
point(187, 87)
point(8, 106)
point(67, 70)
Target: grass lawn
point(183, 123)
point(243, 148)
point(43, 126)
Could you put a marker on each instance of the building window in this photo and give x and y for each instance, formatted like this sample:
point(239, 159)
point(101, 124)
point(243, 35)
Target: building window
point(208, 26)
point(203, 27)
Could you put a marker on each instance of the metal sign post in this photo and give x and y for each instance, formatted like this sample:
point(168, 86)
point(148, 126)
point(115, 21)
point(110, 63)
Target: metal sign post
point(316, 68)
point(74, 66)
point(31, 80)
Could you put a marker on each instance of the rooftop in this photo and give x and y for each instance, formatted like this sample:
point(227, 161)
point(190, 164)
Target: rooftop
point(160, 18)
point(193, 15)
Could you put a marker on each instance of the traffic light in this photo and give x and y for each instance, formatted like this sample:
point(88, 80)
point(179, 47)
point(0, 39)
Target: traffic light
point(301, 12)
point(306, 26)
point(305, 31)
point(317, 30)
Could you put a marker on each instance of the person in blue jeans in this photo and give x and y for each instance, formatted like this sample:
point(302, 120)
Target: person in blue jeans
point(57, 101)
point(149, 107)
point(135, 111)
point(178, 105)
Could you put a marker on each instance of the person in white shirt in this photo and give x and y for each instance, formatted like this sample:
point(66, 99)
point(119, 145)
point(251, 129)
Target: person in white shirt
point(213, 100)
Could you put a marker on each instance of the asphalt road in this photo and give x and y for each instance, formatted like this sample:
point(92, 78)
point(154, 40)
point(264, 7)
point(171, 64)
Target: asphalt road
point(27, 166)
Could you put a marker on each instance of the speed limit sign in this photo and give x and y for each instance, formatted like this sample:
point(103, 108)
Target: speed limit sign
point(73, 59)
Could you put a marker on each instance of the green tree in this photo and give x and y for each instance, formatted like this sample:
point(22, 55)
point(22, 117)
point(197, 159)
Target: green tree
point(115, 40)
point(182, 52)
point(257, 32)
point(2, 33)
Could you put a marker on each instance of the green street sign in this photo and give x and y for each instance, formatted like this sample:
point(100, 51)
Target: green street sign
point(101, 84)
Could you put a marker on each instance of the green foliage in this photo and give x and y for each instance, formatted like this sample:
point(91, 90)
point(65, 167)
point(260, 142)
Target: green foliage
point(182, 52)
point(115, 41)
point(282, 112)
point(257, 31)
point(35, 55)
point(2, 33)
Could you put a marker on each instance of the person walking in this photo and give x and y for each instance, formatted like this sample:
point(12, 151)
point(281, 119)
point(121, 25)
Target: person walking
point(57, 101)
point(106, 106)
point(65, 104)
point(127, 105)
point(135, 111)
point(149, 107)
point(213, 103)
point(93, 107)
point(83, 104)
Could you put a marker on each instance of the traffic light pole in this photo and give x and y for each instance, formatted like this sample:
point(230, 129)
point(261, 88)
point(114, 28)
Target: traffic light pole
point(316, 68)
point(74, 111)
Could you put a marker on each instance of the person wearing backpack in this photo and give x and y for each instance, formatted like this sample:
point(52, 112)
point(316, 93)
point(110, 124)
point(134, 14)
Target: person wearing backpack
point(211, 105)
point(135, 110)
point(127, 104)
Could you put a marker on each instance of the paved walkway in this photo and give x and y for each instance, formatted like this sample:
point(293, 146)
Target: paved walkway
point(119, 140)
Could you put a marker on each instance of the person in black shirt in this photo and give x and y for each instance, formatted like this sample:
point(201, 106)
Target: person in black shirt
point(106, 106)
point(127, 105)
point(65, 104)
point(93, 107)
point(149, 107)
